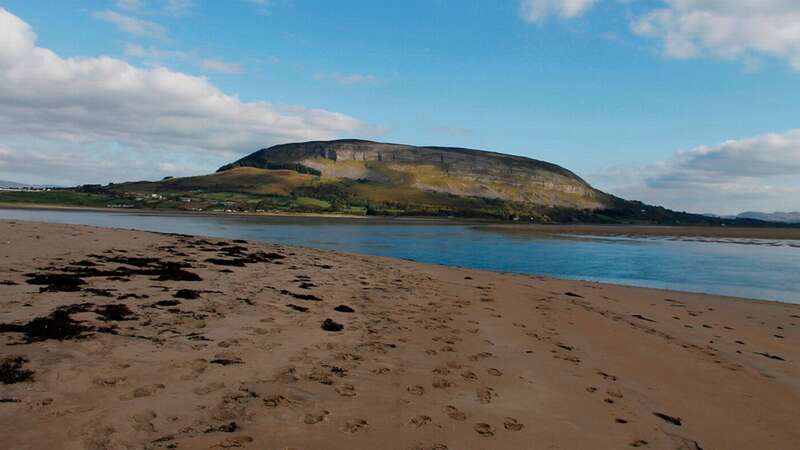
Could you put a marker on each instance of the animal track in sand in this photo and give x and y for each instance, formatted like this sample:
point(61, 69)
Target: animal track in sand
point(512, 424)
point(484, 429)
point(455, 413)
point(495, 372)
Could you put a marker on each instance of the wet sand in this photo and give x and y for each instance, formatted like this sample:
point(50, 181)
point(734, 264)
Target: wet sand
point(117, 339)
point(654, 230)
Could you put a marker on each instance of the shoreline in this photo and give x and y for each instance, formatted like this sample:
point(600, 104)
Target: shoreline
point(390, 260)
point(165, 212)
point(171, 341)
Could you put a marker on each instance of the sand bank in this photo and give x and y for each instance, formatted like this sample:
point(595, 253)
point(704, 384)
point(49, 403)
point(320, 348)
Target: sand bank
point(653, 230)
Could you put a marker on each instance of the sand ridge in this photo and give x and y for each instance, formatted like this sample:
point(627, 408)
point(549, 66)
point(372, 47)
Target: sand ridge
point(121, 339)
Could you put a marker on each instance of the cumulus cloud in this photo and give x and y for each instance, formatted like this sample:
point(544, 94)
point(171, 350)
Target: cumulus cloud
point(219, 65)
point(347, 78)
point(49, 103)
point(757, 173)
point(536, 11)
point(741, 30)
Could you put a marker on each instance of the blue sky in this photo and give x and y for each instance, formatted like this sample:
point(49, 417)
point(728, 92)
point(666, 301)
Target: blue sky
point(636, 96)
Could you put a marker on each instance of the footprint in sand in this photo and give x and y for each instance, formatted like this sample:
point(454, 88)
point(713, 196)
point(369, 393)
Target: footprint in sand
point(346, 390)
point(233, 442)
point(479, 356)
point(275, 400)
point(469, 376)
point(419, 421)
point(143, 421)
point(455, 413)
point(429, 447)
point(144, 391)
point(494, 372)
point(512, 424)
point(484, 429)
point(441, 383)
point(354, 426)
point(205, 390)
point(315, 417)
point(485, 394)
point(415, 390)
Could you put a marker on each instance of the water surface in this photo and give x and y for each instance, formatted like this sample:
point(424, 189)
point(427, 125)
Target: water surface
point(754, 268)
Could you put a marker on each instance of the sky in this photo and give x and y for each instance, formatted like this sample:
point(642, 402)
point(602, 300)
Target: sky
point(690, 104)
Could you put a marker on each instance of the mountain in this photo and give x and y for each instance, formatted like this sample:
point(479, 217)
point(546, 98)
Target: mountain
point(360, 177)
point(445, 170)
point(783, 217)
point(11, 184)
point(4, 184)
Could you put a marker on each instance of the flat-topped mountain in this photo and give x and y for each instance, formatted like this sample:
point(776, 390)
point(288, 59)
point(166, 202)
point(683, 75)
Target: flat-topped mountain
point(358, 177)
point(448, 170)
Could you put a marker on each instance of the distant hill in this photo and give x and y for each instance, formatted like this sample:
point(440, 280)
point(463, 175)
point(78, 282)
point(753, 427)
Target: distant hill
point(11, 184)
point(360, 177)
point(4, 184)
point(783, 217)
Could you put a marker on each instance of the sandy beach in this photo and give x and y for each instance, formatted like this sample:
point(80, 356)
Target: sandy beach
point(117, 339)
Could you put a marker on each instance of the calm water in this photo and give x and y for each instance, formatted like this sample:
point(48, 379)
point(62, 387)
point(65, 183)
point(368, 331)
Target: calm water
point(764, 269)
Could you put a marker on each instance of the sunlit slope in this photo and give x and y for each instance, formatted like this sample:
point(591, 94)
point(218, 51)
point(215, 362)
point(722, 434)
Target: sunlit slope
point(394, 172)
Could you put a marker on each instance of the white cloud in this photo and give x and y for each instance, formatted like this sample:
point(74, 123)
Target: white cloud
point(741, 30)
point(132, 25)
point(757, 173)
point(536, 11)
point(137, 51)
point(83, 105)
point(347, 78)
point(218, 65)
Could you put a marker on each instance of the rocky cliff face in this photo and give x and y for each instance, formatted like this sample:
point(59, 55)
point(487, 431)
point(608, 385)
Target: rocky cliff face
point(455, 171)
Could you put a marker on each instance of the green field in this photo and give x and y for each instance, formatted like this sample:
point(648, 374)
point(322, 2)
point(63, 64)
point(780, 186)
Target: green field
point(57, 197)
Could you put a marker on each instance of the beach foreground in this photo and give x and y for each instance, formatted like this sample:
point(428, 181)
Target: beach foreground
point(119, 339)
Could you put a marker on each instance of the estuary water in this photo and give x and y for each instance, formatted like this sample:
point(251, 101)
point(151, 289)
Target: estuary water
point(753, 268)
